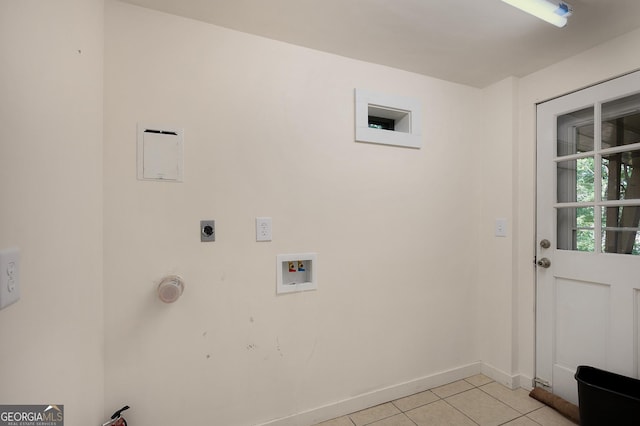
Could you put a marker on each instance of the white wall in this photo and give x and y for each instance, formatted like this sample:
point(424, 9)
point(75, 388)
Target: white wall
point(507, 275)
point(506, 278)
point(51, 208)
point(495, 283)
point(412, 280)
point(269, 132)
point(600, 63)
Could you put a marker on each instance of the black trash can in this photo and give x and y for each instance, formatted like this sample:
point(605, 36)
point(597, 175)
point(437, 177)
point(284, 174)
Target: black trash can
point(607, 398)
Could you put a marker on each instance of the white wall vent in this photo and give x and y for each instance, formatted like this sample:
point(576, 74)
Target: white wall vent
point(388, 119)
point(160, 153)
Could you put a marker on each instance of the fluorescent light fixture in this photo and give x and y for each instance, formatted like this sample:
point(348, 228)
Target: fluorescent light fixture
point(555, 14)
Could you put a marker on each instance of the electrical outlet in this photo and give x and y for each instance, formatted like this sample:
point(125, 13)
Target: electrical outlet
point(263, 229)
point(207, 230)
point(9, 277)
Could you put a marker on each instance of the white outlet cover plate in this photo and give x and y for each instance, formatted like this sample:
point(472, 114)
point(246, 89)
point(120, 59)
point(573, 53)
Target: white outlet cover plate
point(501, 228)
point(9, 277)
point(263, 229)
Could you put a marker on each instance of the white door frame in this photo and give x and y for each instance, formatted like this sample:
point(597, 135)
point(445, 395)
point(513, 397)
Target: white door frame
point(620, 352)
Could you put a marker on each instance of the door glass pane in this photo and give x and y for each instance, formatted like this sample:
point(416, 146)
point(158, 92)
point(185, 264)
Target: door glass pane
point(621, 122)
point(620, 226)
point(575, 132)
point(576, 229)
point(575, 180)
point(621, 176)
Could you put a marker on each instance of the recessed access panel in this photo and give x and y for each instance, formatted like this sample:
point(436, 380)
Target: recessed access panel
point(160, 153)
point(296, 272)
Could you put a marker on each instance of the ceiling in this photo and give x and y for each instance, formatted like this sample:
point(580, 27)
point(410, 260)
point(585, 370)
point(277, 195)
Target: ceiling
point(473, 42)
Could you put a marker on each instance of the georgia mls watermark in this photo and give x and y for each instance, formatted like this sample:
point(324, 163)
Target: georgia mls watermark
point(32, 415)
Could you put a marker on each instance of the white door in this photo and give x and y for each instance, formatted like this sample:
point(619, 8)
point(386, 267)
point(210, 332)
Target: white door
point(588, 210)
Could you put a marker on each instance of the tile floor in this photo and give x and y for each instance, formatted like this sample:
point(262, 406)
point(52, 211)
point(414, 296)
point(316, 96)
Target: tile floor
point(476, 400)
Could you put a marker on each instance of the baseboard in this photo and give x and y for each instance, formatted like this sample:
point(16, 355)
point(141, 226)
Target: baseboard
point(510, 381)
point(525, 382)
point(500, 376)
point(370, 399)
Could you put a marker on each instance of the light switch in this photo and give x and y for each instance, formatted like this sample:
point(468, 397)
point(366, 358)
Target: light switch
point(501, 228)
point(9, 277)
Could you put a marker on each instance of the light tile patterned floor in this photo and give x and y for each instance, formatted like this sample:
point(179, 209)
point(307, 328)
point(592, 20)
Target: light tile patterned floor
point(474, 401)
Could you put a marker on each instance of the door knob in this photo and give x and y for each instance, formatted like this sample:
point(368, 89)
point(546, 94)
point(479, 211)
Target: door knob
point(545, 244)
point(544, 262)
